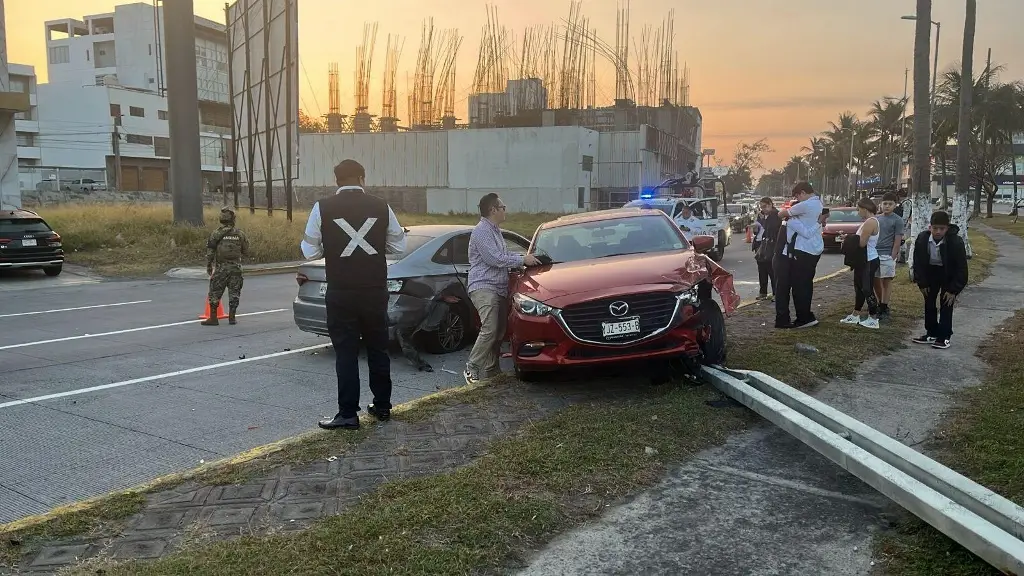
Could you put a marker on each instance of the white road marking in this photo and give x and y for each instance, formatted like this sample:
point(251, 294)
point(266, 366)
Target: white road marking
point(129, 330)
point(160, 376)
point(75, 308)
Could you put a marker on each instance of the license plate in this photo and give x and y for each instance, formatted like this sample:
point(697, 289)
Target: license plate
point(705, 234)
point(28, 242)
point(323, 289)
point(840, 238)
point(621, 328)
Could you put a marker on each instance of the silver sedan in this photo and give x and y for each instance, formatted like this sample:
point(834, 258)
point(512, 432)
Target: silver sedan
point(427, 284)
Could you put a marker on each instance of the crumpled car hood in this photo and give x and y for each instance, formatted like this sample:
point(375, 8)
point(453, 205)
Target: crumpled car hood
point(559, 285)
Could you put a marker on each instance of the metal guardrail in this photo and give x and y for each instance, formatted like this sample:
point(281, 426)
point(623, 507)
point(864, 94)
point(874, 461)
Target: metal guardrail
point(980, 520)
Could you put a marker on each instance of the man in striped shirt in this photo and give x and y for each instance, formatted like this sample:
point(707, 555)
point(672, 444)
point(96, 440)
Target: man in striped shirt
point(490, 261)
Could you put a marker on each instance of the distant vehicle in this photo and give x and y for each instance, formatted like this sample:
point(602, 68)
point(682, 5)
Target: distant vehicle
point(28, 242)
point(705, 200)
point(433, 268)
point(741, 215)
point(617, 285)
point(842, 220)
point(82, 185)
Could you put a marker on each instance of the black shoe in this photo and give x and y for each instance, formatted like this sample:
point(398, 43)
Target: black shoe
point(231, 317)
point(382, 414)
point(783, 325)
point(924, 339)
point(940, 344)
point(211, 321)
point(339, 422)
point(806, 324)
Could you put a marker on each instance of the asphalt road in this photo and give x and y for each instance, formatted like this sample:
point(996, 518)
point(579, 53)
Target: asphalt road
point(108, 384)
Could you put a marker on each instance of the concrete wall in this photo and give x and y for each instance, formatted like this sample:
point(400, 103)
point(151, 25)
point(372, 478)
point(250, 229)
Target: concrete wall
point(74, 125)
point(10, 186)
point(391, 159)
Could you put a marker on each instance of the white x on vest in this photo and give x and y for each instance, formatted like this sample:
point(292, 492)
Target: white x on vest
point(358, 237)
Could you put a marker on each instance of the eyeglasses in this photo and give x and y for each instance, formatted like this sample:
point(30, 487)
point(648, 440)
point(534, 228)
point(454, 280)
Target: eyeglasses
point(500, 207)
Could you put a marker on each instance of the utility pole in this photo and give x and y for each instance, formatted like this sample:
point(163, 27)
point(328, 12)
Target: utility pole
point(903, 128)
point(183, 112)
point(116, 143)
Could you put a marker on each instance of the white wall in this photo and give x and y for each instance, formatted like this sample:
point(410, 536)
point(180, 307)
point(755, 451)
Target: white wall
point(10, 186)
point(391, 159)
point(136, 54)
point(618, 161)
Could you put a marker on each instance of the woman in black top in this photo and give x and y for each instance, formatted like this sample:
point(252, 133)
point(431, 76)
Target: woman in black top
point(766, 232)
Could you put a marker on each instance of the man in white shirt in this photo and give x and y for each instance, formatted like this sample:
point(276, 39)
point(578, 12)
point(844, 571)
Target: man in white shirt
point(799, 257)
point(688, 223)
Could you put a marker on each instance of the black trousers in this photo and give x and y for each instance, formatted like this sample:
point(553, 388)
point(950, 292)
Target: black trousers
point(864, 286)
point(354, 315)
point(765, 275)
point(938, 316)
point(795, 275)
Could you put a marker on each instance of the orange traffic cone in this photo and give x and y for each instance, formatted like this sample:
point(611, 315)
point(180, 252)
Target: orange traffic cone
point(221, 315)
point(750, 235)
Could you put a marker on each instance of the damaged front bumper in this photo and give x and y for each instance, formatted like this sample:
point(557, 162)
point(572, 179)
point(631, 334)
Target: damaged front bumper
point(404, 312)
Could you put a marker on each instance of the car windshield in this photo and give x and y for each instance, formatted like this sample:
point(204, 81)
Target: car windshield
point(10, 226)
point(412, 244)
point(839, 215)
point(605, 238)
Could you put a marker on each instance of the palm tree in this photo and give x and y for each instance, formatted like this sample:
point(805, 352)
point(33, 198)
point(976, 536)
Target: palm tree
point(921, 179)
point(843, 135)
point(886, 127)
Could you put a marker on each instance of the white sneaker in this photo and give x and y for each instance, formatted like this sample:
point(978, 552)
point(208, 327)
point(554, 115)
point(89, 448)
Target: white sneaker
point(851, 319)
point(870, 322)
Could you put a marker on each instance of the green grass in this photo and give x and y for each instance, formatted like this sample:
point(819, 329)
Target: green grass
point(1006, 223)
point(982, 440)
point(141, 239)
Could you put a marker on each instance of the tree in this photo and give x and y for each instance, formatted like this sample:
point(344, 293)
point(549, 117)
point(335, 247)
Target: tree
point(921, 176)
point(965, 125)
point(309, 124)
point(886, 127)
point(746, 159)
point(771, 184)
point(796, 170)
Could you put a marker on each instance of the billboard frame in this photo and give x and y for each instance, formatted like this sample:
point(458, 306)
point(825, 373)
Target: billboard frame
point(264, 101)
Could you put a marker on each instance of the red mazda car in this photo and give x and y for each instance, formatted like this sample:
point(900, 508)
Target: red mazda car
point(842, 220)
point(617, 285)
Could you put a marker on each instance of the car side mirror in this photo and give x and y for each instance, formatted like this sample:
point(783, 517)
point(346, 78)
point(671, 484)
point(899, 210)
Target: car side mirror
point(702, 244)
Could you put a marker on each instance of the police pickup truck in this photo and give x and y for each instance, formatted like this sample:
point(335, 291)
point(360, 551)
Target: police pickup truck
point(707, 215)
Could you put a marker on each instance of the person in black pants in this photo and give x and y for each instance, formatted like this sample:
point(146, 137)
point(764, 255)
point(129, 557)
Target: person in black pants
point(766, 232)
point(796, 259)
point(353, 231)
point(940, 272)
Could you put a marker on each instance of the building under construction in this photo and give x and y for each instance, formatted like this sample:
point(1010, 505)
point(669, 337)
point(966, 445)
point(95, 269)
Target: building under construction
point(537, 92)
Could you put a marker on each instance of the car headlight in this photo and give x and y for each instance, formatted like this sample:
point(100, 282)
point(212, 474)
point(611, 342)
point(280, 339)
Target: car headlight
point(689, 296)
point(395, 285)
point(530, 307)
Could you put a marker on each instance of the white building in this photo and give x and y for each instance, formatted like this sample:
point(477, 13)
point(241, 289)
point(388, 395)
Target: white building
point(105, 101)
point(12, 102)
point(26, 124)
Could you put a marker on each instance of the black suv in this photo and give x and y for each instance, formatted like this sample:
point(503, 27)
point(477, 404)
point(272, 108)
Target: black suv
point(27, 241)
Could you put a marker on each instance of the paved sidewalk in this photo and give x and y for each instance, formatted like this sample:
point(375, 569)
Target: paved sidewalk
point(765, 504)
point(292, 498)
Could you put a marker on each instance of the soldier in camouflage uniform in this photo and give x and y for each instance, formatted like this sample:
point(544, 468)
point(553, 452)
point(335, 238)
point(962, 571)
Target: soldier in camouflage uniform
point(224, 252)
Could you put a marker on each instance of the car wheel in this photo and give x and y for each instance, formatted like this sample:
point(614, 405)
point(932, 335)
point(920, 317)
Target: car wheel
point(451, 333)
point(714, 347)
point(719, 250)
point(53, 270)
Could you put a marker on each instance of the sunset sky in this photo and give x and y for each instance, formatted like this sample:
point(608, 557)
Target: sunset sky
point(779, 69)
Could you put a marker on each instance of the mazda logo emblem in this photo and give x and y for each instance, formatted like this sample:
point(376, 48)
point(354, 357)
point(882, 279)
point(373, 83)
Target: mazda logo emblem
point(618, 308)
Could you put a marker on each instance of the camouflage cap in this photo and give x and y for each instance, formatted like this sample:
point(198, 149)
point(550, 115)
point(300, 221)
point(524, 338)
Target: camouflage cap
point(227, 215)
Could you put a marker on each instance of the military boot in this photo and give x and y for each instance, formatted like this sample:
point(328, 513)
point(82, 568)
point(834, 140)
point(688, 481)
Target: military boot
point(212, 320)
point(231, 315)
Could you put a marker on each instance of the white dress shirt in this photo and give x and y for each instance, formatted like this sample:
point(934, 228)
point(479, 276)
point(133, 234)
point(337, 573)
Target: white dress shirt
point(803, 223)
point(312, 240)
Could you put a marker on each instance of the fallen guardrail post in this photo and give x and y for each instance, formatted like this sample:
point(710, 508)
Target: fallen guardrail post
point(980, 520)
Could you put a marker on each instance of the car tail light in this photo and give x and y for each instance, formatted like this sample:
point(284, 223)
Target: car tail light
point(5, 240)
point(54, 237)
point(301, 278)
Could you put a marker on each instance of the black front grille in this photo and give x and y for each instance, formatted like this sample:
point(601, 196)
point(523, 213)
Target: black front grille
point(654, 309)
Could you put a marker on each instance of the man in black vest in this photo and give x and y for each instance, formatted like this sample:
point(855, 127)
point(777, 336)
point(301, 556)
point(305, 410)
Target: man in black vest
point(353, 231)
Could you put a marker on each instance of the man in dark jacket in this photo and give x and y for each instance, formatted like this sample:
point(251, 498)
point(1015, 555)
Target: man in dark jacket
point(940, 271)
point(766, 231)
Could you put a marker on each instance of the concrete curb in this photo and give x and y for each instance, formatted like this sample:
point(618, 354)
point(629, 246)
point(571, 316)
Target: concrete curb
point(253, 453)
point(193, 273)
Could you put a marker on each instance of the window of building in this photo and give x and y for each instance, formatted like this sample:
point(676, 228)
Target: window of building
point(19, 84)
point(137, 111)
point(139, 139)
point(86, 55)
point(150, 49)
point(161, 114)
point(115, 113)
point(24, 139)
point(59, 54)
point(161, 146)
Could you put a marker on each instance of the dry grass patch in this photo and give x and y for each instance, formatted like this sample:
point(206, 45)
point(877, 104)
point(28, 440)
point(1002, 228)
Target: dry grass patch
point(141, 239)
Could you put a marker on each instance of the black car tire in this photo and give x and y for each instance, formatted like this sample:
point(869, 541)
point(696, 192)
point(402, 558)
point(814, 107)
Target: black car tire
point(53, 270)
point(714, 348)
point(441, 341)
point(718, 252)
